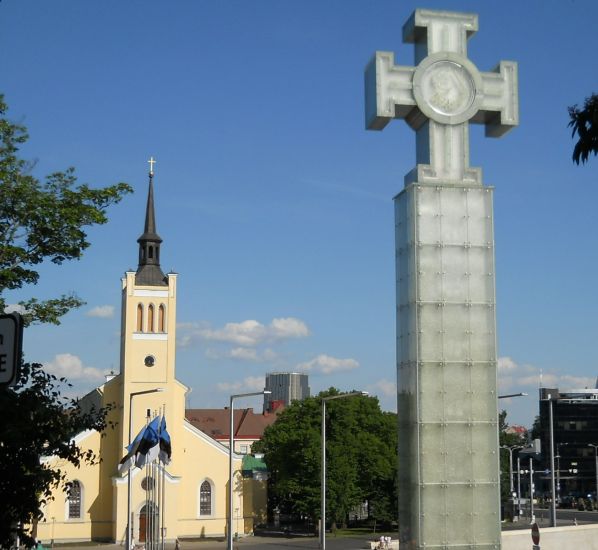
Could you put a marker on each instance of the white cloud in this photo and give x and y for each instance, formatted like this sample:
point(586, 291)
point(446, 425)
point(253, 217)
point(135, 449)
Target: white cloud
point(327, 364)
point(72, 368)
point(506, 364)
point(250, 383)
point(383, 388)
point(243, 354)
point(524, 377)
point(249, 333)
point(103, 312)
point(15, 308)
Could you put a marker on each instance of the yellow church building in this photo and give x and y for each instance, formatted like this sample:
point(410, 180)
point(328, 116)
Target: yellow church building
point(194, 485)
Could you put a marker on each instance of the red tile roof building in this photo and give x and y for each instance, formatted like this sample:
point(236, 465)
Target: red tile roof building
point(248, 426)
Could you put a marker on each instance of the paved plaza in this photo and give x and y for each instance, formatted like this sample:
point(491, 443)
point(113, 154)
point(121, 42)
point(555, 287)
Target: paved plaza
point(248, 543)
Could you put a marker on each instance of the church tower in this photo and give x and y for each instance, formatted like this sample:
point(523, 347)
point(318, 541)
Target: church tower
point(148, 329)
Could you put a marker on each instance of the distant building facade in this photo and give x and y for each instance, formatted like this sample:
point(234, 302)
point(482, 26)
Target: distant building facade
point(285, 387)
point(575, 421)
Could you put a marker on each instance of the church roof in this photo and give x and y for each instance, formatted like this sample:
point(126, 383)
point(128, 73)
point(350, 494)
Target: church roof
point(216, 422)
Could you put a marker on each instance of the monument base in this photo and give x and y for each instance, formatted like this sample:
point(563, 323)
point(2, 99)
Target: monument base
point(449, 493)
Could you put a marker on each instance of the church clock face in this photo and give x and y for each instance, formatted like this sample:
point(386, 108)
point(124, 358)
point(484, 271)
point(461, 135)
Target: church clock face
point(149, 361)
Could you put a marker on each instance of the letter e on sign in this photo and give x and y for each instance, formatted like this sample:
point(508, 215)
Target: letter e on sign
point(11, 337)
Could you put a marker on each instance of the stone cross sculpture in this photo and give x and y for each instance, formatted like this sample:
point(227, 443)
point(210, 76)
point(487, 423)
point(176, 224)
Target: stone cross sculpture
point(449, 493)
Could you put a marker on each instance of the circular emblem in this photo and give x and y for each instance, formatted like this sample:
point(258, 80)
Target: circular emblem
point(149, 361)
point(446, 87)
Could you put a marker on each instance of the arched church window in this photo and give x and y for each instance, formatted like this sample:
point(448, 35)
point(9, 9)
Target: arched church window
point(161, 318)
point(205, 499)
point(74, 500)
point(150, 318)
point(139, 318)
point(151, 252)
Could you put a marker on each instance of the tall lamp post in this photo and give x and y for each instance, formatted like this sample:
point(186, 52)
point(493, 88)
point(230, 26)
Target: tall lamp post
point(229, 536)
point(129, 487)
point(596, 462)
point(552, 478)
point(511, 484)
point(323, 484)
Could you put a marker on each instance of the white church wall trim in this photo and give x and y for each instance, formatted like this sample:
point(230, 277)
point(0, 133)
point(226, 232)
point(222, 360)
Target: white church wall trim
point(150, 293)
point(150, 336)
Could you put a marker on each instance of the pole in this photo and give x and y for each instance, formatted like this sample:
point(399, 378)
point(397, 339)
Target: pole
point(531, 490)
point(130, 522)
point(129, 486)
point(511, 470)
point(552, 491)
point(323, 482)
point(558, 475)
point(518, 486)
point(163, 502)
point(229, 534)
point(231, 443)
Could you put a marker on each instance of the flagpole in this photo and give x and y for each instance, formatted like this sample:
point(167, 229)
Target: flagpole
point(129, 536)
point(163, 482)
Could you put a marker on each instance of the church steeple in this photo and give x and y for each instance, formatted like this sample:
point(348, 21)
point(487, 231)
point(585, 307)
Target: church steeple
point(148, 271)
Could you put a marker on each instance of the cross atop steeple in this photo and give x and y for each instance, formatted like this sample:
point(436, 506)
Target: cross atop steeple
point(441, 96)
point(151, 162)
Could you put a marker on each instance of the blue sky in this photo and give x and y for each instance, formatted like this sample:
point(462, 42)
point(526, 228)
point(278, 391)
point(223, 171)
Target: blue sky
point(274, 203)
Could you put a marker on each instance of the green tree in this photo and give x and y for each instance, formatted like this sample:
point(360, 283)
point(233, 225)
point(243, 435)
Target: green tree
point(39, 222)
point(361, 459)
point(584, 123)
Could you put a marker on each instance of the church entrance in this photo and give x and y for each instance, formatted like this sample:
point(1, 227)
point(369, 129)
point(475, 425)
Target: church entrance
point(148, 523)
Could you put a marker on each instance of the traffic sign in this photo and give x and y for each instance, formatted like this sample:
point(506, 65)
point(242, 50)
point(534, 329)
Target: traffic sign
point(11, 342)
point(535, 534)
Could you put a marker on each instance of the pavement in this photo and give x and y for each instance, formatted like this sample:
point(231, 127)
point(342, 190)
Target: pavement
point(246, 543)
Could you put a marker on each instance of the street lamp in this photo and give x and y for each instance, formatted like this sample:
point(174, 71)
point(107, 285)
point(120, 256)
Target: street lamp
point(551, 441)
point(511, 449)
point(229, 537)
point(323, 485)
point(129, 488)
point(596, 461)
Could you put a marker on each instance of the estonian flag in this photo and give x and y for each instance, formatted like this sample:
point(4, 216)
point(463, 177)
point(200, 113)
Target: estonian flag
point(149, 446)
point(165, 447)
point(128, 460)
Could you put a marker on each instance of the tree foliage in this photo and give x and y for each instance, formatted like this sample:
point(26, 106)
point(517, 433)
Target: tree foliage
point(584, 123)
point(37, 423)
point(42, 222)
point(39, 222)
point(361, 459)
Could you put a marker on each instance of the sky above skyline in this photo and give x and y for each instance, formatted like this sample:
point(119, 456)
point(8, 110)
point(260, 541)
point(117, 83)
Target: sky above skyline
point(275, 204)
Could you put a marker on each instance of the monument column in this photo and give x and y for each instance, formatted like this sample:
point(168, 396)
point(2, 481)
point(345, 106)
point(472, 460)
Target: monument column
point(449, 490)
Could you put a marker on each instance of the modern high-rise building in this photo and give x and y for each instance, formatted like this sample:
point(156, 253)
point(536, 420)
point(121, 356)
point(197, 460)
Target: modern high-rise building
point(285, 387)
point(575, 429)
